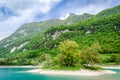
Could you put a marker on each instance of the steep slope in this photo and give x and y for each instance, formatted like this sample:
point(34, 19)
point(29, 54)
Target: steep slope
point(109, 11)
point(104, 30)
point(100, 28)
point(73, 18)
point(31, 36)
point(21, 37)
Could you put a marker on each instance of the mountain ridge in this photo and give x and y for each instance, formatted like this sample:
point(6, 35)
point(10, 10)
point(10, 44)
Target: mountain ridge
point(23, 35)
point(101, 29)
point(25, 31)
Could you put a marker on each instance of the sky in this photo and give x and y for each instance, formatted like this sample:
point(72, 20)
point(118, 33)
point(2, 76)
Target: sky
point(14, 13)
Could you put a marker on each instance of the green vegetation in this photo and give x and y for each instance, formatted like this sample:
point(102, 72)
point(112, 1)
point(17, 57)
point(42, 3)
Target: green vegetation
point(115, 58)
point(71, 57)
point(90, 55)
point(109, 11)
point(69, 54)
point(34, 29)
point(63, 68)
point(94, 40)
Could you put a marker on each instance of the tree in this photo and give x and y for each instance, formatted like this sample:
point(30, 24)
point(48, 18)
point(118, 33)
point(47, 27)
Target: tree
point(69, 53)
point(116, 58)
point(90, 55)
point(48, 60)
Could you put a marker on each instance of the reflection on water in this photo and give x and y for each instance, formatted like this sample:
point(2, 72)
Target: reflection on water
point(20, 74)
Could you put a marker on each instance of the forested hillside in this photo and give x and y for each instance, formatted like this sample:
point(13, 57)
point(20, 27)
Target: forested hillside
point(22, 36)
point(103, 28)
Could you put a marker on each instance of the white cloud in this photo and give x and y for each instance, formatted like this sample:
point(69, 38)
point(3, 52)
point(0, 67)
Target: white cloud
point(92, 9)
point(26, 10)
point(64, 17)
point(1, 39)
point(1, 36)
point(42, 5)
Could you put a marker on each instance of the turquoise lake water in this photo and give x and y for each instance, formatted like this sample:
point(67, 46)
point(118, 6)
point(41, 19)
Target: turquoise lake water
point(20, 74)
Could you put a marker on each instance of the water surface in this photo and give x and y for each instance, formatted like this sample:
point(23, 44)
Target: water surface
point(21, 74)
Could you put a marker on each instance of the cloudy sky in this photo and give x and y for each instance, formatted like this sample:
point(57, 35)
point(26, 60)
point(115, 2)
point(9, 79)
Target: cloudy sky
point(14, 13)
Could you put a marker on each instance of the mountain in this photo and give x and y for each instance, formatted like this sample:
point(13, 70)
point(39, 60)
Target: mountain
point(21, 36)
point(32, 41)
point(73, 18)
point(103, 29)
point(109, 11)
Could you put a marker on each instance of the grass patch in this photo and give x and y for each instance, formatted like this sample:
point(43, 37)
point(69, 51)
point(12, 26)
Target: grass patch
point(93, 68)
point(62, 68)
point(104, 56)
point(71, 68)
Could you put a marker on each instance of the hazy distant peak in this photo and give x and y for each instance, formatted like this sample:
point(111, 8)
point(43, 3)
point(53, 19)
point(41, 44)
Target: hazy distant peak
point(85, 14)
point(72, 14)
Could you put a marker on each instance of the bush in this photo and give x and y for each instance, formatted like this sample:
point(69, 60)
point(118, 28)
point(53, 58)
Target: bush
point(90, 55)
point(115, 58)
point(48, 60)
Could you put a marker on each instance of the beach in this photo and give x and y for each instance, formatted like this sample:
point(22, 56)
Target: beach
point(70, 72)
point(39, 70)
point(112, 67)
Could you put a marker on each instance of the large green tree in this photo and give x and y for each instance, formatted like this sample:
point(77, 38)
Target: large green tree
point(116, 58)
point(90, 55)
point(69, 53)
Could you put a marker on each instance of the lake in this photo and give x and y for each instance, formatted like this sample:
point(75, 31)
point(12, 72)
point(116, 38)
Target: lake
point(21, 74)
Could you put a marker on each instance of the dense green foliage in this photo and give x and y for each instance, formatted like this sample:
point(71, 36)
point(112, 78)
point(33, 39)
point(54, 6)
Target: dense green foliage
point(27, 31)
point(103, 28)
point(109, 11)
point(69, 54)
point(90, 55)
